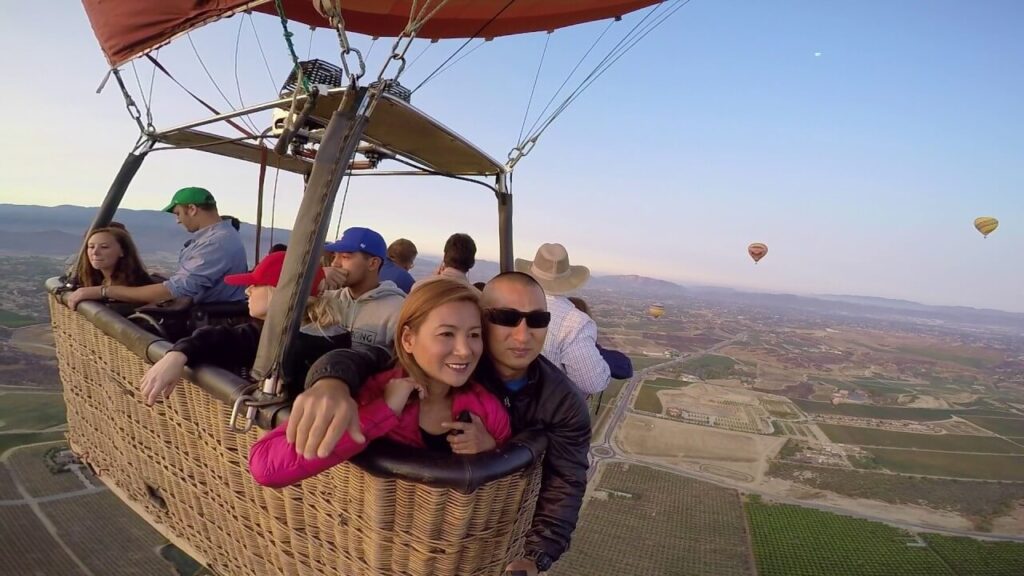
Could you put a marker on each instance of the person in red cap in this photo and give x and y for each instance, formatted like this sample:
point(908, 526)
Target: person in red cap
point(234, 347)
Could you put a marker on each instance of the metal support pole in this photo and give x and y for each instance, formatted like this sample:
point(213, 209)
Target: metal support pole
point(504, 223)
point(311, 223)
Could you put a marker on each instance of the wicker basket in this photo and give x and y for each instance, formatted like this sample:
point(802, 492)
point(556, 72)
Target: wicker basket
point(180, 465)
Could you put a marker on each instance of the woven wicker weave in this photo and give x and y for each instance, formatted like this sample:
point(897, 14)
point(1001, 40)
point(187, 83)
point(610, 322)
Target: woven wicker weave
point(182, 465)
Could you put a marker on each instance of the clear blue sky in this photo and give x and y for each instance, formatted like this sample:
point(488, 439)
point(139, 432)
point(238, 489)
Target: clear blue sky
point(862, 168)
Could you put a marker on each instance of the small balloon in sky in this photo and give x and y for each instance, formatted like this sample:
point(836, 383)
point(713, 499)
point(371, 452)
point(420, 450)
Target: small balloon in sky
point(817, 54)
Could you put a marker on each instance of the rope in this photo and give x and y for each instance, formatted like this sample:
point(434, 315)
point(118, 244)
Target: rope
point(464, 44)
point(547, 38)
point(291, 46)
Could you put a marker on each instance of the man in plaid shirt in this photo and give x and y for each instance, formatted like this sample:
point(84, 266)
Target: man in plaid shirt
point(571, 343)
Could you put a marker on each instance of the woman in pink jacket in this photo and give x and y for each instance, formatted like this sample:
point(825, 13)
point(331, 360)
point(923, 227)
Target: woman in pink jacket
point(438, 346)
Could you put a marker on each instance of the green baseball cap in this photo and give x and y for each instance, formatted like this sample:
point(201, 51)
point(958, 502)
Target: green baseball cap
point(191, 195)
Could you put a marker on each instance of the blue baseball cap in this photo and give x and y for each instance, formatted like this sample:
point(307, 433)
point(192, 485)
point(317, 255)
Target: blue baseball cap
point(360, 240)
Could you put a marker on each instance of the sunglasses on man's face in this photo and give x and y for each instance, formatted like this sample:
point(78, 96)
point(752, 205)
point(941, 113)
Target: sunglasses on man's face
point(510, 317)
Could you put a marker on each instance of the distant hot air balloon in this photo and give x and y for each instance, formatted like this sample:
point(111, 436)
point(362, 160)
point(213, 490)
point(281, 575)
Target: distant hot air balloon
point(986, 225)
point(757, 251)
point(656, 311)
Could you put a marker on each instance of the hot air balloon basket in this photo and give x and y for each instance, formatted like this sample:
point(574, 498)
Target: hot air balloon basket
point(186, 473)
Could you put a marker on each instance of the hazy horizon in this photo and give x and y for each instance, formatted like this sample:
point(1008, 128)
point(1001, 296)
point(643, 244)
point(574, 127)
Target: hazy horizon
point(859, 142)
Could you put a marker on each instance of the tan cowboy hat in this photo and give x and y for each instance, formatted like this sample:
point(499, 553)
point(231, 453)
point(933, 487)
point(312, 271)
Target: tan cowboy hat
point(550, 267)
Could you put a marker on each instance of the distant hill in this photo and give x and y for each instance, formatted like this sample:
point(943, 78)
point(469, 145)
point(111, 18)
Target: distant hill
point(57, 231)
point(637, 285)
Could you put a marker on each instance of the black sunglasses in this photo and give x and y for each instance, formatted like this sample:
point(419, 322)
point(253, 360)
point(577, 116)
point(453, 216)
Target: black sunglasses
point(510, 317)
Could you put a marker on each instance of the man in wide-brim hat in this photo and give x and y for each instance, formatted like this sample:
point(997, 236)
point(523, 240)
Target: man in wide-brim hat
point(571, 342)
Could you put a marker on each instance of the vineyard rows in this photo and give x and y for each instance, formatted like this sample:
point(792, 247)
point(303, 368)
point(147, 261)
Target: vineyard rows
point(644, 521)
point(107, 536)
point(796, 541)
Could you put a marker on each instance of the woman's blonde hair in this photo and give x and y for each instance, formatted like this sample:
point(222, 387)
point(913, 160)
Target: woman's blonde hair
point(323, 312)
point(427, 296)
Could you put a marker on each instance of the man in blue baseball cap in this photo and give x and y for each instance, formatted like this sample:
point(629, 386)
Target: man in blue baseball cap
point(371, 306)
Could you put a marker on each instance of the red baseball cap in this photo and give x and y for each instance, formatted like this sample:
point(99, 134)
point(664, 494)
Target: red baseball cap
point(268, 273)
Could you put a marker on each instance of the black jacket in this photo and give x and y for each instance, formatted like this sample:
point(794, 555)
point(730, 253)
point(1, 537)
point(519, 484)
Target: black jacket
point(234, 348)
point(549, 402)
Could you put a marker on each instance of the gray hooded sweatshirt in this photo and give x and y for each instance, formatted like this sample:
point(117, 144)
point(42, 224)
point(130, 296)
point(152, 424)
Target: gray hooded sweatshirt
point(372, 318)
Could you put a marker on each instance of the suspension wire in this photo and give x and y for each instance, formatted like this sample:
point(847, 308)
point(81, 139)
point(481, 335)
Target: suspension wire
point(632, 43)
point(634, 36)
point(464, 44)
point(370, 49)
point(145, 102)
point(422, 52)
point(459, 59)
point(572, 72)
point(260, 46)
point(589, 75)
point(533, 89)
point(238, 85)
point(344, 198)
point(309, 49)
point(244, 119)
point(152, 81)
point(273, 204)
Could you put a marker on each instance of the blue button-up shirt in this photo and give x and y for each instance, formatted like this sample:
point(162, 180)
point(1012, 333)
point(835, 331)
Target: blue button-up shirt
point(213, 253)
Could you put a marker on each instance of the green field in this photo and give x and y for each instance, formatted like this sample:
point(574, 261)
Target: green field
point(888, 412)
point(981, 502)
point(644, 362)
point(979, 362)
point(1004, 426)
point(31, 411)
point(956, 465)
point(945, 442)
point(12, 320)
point(647, 397)
point(970, 557)
point(795, 541)
point(709, 366)
point(12, 440)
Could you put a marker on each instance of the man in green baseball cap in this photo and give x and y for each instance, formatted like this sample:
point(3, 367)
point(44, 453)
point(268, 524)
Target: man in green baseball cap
point(191, 195)
point(215, 251)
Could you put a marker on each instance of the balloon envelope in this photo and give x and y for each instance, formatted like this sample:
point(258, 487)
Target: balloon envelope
point(986, 225)
point(757, 251)
point(127, 29)
point(656, 311)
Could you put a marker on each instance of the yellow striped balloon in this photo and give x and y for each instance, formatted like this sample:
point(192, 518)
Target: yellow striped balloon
point(986, 225)
point(656, 311)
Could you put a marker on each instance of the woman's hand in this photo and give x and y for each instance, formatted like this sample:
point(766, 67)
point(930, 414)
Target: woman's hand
point(397, 392)
point(88, 293)
point(162, 377)
point(473, 439)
